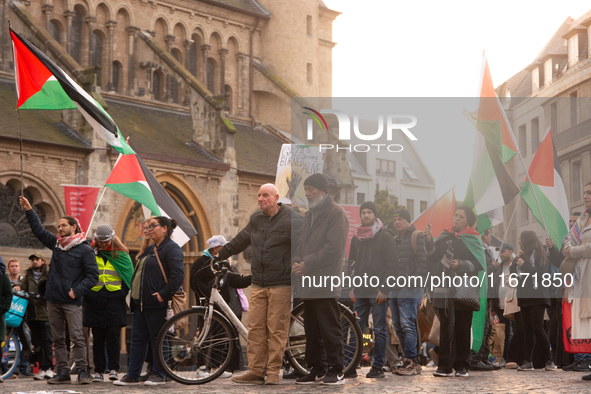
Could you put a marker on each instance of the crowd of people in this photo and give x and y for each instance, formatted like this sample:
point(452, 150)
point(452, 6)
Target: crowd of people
point(85, 287)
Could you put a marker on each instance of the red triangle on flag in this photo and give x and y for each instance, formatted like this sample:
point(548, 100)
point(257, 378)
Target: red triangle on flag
point(30, 73)
point(440, 214)
point(541, 169)
point(126, 170)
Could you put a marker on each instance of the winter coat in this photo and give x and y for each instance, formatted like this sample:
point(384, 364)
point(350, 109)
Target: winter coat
point(322, 248)
point(272, 240)
point(409, 262)
point(37, 307)
point(105, 308)
point(74, 269)
point(374, 257)
point(202, 279)
point(5, 294)
point(152, 281)
point(527, 294)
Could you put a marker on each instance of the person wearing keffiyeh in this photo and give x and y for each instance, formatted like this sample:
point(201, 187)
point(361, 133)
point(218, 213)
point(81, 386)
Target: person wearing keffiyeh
point(73, 272)
point(374, 251)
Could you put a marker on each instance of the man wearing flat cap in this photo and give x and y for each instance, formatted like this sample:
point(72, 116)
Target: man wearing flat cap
point(320, 253)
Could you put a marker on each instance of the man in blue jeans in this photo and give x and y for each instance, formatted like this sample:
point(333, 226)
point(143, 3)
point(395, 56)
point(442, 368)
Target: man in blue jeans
point(374, 253)
point(405, 300)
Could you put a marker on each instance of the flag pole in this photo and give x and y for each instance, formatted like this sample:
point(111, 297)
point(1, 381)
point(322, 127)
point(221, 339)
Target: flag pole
point(534, 192)
point(510, 220)
point(20, 131)
point(96, 209)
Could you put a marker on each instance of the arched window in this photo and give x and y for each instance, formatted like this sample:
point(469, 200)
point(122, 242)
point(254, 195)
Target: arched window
point(210, 76)
point(55, 31)
point(14, 231)
point(173, 85)
point(192, 58)
point(76, 48)
point(97, 55)
point(156, 86)
point(116, 73)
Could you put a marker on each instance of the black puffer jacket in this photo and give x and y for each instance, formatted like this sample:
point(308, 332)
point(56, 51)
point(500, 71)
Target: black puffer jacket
point(374, 257)
point(74, 269)
point(272, 239)
point(409, 262)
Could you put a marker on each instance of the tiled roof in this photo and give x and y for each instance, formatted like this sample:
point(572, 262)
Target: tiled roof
point(257, 150)
point(250, 6)
point(164, 134)
point(37, 125)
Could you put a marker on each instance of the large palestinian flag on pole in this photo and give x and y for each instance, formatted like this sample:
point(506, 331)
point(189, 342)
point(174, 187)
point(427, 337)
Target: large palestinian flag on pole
point(132, 178)
point(440, 215)
point(490, 187)
point(544, 181)
point(41, 84)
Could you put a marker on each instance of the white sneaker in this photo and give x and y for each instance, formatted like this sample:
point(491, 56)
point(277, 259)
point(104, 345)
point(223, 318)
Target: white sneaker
point(49, 374)
point(202, 373)
point(113, 375)
point(224, 375)
point(40, 375)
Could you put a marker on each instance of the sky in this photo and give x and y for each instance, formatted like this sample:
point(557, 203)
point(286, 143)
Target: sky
point(393, 48)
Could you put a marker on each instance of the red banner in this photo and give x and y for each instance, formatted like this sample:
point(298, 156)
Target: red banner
point(80, 202)
point(572, 345)
point(354, 222)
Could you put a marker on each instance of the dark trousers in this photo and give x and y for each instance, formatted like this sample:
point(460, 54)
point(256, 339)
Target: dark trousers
point(535, 334)
point(516, 352)
point(484, 351)
point(145, 326)
point(509, 327)
point(42, 342)
point(454, 341)
point(111, 337)
point(324, 346)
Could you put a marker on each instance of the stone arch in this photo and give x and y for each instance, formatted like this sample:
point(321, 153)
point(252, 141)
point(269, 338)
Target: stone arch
point(100, 44)
point(103, 13)
point(180, 30)
point(14, 229)
point(130, 15)
point(198, 29)
point(234, 40)
point(84, 4)
point(216, 38)
point(118, 80)
point(212, 72)
point(56, 29)
point(160, 19)
point(158, 81)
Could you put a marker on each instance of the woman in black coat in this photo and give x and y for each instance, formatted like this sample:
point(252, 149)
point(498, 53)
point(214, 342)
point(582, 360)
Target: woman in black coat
point(532, 297)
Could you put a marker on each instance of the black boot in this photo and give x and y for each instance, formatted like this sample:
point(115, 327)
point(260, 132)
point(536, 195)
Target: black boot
point(62, 376)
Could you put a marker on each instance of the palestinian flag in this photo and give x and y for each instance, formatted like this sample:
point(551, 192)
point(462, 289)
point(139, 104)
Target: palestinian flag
point(490, 187)
point(471, 239)
point(41, 84)
point(439, 215)
point(545, 180)
point(491, 119)
point(132, 178)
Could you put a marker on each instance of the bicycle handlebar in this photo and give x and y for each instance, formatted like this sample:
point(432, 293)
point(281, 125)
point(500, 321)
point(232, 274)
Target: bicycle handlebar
point(25, 295)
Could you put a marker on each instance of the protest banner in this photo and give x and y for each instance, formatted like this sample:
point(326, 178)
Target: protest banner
point(296, 163)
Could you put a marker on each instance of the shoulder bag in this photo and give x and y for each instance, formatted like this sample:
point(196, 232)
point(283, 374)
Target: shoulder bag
point(178, 300)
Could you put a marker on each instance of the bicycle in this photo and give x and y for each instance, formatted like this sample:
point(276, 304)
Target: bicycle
point(203, 339)
point(13, 349)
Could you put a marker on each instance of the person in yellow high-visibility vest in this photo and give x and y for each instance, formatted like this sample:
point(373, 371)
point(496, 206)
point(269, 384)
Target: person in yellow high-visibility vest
point(105, 308)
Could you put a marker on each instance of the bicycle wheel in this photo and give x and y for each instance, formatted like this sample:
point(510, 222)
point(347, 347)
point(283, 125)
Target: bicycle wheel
point(295, 351)
point(11, 354)
point(187, 355)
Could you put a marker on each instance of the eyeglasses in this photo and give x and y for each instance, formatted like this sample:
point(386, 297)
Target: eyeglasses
point(152, 226)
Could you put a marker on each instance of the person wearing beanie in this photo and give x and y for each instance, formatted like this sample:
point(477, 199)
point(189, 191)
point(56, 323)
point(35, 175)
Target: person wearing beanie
point(405, 300)
point(320, 252)
point(105, 308)
point(458, 250)
point(374, 252)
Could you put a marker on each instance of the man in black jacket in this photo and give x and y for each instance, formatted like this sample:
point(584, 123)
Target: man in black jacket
point(270, 232)
point(405, 299)
point(320, 254)
point(73, 272)
point(374, 252)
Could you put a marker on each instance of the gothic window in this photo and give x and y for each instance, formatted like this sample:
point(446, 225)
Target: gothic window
point(14, 227)
point(55, 31)
point(116, 72)
point(210, 76)
point(193, 59)
point(156, 85)
point(76, 47)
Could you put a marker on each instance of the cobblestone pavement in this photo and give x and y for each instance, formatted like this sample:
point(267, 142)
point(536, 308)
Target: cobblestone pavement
point(503, 381)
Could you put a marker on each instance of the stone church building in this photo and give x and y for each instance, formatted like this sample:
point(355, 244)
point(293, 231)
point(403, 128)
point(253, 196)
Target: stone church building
point(203, 88)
